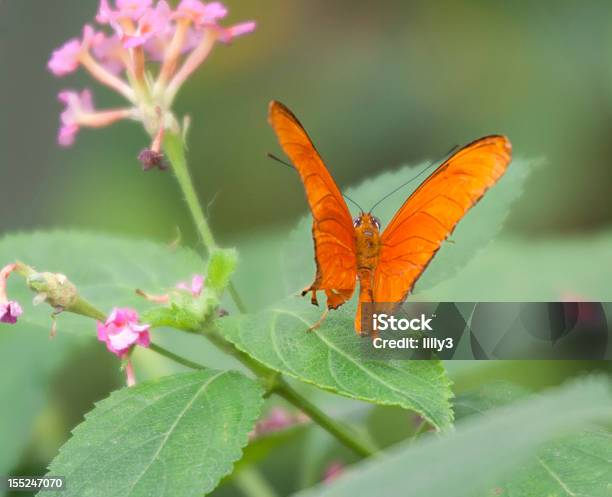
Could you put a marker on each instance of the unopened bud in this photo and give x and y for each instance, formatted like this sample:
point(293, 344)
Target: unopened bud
point(54, 288)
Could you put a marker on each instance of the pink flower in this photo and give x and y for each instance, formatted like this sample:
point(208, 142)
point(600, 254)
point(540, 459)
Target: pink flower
point(110, 52)
point(77, 106)
point(121, 332)
point(126, 9)
point(67, 58)
point(197, 285)
point(201, 13)
point(80, 112)
point(9, 312)
point(9, 309)
point(228, 34)
point(153, 23)
point(143, 32)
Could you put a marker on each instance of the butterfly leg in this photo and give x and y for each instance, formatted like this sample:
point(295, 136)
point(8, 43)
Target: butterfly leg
point(320, 321)
point(313, 298)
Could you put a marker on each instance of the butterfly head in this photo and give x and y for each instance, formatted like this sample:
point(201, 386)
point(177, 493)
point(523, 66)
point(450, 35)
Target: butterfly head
point(367, 224)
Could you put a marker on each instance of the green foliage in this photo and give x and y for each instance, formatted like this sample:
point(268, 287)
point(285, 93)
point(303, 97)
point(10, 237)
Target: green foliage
point(106, 271)
point(485, 449)
point(535, 270)
point(577, 464)
point(175, 436)
point(174, 316)
point(28, 359)
point(489, 396)
point(221, 266)
point(330, 358)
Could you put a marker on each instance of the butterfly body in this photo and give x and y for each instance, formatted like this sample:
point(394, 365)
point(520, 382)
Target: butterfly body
point(387, 264)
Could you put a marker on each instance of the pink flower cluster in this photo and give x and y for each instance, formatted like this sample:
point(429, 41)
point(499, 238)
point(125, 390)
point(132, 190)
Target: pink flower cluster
point(122, 331)
point(139, 33)
point(9, 309)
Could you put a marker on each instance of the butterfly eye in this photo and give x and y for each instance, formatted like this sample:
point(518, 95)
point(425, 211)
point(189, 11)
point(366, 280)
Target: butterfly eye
point(357, 222)
point(376, 221)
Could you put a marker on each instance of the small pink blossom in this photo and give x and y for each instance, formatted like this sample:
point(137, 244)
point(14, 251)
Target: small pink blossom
point(77, 105)
point(228, 34)
point(110, 52)
point(126, 9)
point(201, 13)
point(80, 112)
point(153, 23)
point(196, 287)
point(9, 312)
point(122, 331)
point(67, 58)
point(9, 309)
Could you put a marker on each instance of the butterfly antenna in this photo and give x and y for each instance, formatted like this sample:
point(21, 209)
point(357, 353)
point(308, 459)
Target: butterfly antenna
point(280, 161)
point(351, 200)
point(284, 163)
point(455, 147)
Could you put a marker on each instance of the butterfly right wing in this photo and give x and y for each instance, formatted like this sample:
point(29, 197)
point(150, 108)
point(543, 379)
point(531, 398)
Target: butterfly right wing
point(332, 227)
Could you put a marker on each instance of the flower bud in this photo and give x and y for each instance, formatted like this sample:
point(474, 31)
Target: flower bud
point(54, 288)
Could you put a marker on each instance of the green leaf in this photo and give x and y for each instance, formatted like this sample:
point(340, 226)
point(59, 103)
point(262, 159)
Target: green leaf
point(330, 358)
point(578, 464)
point(177, 437)
point(489, 396)
point(483, 449)
point(221, 265)
point(106, 270)
point(28, 359)
point(565, 268)
point(480, 225)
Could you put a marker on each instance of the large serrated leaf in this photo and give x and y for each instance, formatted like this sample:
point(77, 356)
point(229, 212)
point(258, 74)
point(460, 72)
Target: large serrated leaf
point(176, 437)
point(471, 460)
point(331, 359)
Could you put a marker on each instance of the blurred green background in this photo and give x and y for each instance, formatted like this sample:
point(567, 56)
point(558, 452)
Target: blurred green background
point(377, 85)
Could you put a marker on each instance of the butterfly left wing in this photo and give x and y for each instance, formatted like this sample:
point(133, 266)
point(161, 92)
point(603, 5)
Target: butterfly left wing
point(431, 213)
point(332, 227)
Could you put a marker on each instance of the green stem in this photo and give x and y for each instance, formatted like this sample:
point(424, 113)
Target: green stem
point(340, 431)
point(253, 484)
point(173, 357)
point(175, 150)
point(274, 383)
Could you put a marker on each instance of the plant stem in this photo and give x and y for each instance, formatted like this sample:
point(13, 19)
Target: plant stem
point(273, 382)
point(173, 357)
point(175, 150)
point(340, 431)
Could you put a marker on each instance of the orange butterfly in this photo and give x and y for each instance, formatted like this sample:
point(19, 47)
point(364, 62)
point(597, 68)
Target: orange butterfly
point(388, 264)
